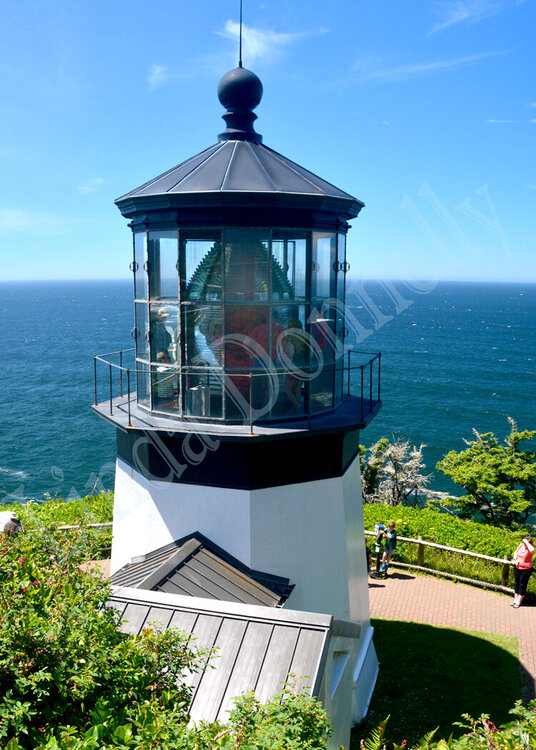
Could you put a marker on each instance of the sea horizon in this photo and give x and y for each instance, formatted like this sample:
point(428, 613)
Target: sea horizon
point(456, 355)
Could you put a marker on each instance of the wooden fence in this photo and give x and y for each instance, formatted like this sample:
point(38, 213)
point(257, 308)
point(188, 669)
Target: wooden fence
point(505, 562)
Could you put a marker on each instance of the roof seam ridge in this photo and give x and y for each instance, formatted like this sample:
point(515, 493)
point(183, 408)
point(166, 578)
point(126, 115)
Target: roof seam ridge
point(288, 162)
point(270, 637)
point(228, 164)
point(193, 171)
point(167, 172)
point(289, 166)
point(231, 671)
point(272, 183)
point(214, 583)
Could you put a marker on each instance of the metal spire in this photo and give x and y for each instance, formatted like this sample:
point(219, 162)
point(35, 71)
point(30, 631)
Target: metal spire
point(240, 39)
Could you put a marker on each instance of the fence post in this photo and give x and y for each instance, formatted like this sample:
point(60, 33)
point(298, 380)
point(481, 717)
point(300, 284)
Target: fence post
point(420, 553)
point(505, 571)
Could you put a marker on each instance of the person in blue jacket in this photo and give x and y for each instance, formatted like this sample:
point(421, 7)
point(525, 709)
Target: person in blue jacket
point(390, 546)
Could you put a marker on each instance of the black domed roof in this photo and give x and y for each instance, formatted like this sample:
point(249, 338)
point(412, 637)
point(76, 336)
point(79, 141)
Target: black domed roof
point(239, 170)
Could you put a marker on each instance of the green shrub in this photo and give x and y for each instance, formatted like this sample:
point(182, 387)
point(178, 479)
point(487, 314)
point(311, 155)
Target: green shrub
point(71, 680)
point(481, 734)
point(54, 512)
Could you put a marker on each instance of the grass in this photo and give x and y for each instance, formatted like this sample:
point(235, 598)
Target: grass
point(429, 676)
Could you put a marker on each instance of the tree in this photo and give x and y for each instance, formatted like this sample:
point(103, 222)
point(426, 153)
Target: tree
point(500, 480)
point(370, 467)
point(393, 473)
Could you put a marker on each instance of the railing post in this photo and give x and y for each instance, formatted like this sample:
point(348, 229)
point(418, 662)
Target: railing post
point(379, 373)
point(128, 401)
point(505, 571)
point(251, 405)
point(121, 373)
point(95, 379)
point(110, 373)
point(420, 553)
point(370, 385)
point(362, 368)
point(349, 352)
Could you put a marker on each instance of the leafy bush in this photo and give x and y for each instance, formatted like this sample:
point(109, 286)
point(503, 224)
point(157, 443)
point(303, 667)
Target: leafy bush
point(54, 512)
point(70, 679)
point(481, 734)
point(63, 660)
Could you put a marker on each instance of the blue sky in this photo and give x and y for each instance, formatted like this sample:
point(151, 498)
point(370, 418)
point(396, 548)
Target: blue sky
point(424, 110)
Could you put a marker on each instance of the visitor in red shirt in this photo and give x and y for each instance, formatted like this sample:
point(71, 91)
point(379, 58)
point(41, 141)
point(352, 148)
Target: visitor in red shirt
point(522, 570)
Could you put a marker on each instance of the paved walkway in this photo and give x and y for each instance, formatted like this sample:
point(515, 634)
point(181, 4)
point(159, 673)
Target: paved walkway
point(434, 601)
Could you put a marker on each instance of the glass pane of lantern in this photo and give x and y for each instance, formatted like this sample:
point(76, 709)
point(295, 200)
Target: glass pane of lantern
point(341, 258)
point(142, 328)
point(164, 327)
point(162, 261)
point(202, 335)
point(143, 385)
point(293, 349)
point(324, 257)
point(201, 270)
point(202, 360)
point(164, 383)
point(140, 258)
point(323, 329)
point(289, 251)
point(247, 266)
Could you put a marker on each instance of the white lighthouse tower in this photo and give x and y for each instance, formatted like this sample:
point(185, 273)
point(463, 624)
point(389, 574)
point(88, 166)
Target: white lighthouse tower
point(238, 420)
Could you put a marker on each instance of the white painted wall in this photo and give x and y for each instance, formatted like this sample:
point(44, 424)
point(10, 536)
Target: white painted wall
point(313, 533)
point(310, 532)
point(149, 514)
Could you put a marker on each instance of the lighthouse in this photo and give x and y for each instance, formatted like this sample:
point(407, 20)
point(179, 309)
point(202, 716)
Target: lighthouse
point(238, 412)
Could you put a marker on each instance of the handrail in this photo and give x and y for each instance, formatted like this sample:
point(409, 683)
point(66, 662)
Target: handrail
point(447, 549)
point(342, 363)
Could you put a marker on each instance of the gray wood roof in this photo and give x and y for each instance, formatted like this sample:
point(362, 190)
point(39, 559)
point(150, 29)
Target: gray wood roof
point(257, 647)
point(197, 567)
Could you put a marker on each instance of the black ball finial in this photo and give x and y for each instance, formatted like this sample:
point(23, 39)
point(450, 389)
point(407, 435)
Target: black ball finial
point(240, 91)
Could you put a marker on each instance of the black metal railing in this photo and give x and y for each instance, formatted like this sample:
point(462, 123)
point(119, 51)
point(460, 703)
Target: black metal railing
point(363, 382)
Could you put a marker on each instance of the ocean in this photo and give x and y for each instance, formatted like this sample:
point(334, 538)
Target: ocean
point(455, 356)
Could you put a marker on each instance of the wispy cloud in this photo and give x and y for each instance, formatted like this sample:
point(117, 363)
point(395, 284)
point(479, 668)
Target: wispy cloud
point(470, 11)
point(263, 44)
point(512, 122)
point(369, 70)
point(465, 11)
point(90, 185)
point(157, 75)
point(27, 220)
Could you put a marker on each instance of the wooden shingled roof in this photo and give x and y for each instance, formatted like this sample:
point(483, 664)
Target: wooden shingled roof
point(256, 647)
point(194, 566)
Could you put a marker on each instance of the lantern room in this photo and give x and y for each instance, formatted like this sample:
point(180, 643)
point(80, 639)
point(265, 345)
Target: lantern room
point(239, 265)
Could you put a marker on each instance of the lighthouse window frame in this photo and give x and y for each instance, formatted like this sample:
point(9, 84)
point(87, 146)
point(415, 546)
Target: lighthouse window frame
point(162, 265)
point(311, 261)
point(140, 265)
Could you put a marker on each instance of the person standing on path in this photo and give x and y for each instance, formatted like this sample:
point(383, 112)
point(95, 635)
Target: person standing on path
point(390, 546)
point(522, 570)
